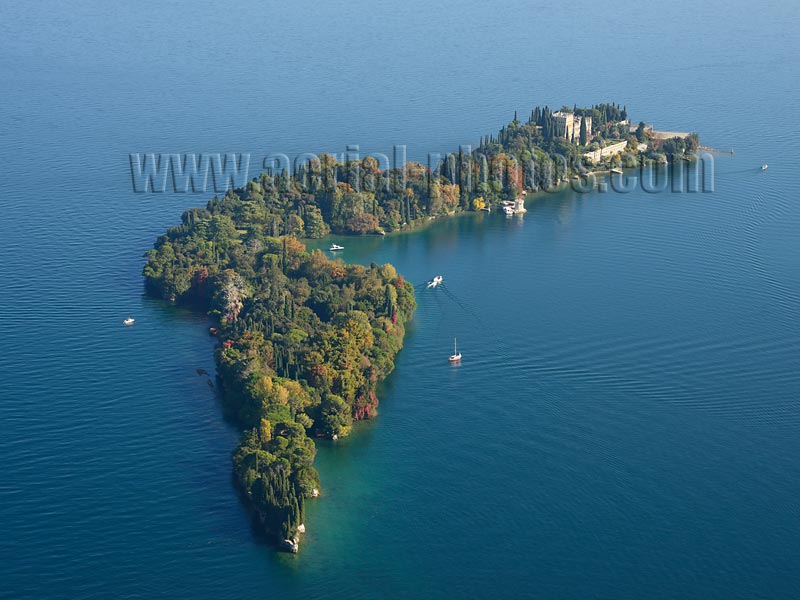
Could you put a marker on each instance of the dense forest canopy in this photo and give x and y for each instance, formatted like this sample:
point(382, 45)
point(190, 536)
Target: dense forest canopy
point(304, 342)
point(363, 196)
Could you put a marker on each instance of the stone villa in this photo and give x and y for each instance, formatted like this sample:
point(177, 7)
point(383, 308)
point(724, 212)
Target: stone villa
point(569, 126)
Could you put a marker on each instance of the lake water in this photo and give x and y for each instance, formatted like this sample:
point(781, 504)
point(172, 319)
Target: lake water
point(625, 421)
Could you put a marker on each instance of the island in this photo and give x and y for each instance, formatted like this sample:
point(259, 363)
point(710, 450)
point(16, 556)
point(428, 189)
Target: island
point(304, 340)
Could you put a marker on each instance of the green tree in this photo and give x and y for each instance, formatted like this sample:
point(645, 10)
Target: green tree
point(315, 225)
point(335, 416)
point(641, 135)
point(295, 225)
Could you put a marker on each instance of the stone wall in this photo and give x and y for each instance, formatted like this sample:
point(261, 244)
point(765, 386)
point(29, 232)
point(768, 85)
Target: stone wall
point(596, 155)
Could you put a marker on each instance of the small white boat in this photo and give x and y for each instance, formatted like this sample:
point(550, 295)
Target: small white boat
point(129, 321)
point(508, 210)
point(335, 247)
point(456, 356)
point(617, 171)
point(764, 167)
point(435, 281)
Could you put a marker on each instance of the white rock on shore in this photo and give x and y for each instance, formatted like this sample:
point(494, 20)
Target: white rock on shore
point(292, 545)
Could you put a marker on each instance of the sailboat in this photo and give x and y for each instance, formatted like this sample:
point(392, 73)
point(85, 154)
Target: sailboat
point(456, 357)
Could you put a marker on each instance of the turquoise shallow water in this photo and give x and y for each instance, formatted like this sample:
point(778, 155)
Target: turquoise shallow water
point(625, 421)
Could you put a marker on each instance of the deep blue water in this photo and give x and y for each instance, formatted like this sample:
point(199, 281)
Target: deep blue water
point(625, 422)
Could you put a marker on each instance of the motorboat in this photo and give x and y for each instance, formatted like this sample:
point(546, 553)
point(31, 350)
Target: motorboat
point(435, 281)
point(129, 321)
point(508, 210)
point(335, 247)
point(764, 167)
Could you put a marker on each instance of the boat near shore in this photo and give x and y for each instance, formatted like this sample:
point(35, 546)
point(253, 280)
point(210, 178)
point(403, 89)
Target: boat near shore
point(515, 207)
point(335, 248)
